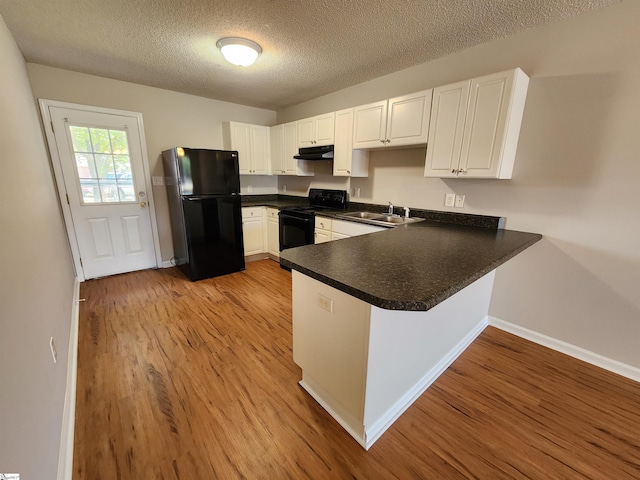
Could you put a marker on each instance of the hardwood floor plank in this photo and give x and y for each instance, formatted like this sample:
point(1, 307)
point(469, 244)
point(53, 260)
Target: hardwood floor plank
point(183, 380)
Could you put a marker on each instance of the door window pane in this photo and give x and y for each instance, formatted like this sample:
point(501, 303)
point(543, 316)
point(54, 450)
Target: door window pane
point(103, 165)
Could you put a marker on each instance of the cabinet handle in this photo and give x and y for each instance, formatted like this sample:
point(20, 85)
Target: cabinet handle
point(382, 141)
point(453, 170)
point(462, 171)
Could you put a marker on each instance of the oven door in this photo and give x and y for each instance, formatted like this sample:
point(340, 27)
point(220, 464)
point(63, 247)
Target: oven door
point(295, 231)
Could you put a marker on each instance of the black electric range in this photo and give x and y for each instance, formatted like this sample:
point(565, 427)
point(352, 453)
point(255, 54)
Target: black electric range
point(297, 224)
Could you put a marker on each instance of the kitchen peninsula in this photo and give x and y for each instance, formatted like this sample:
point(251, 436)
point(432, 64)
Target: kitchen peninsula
point(377, 318)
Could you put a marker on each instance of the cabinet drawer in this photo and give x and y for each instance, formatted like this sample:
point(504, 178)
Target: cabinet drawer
point(272, 213)
point(352, 229)
point(324, 223)
point(252, 212)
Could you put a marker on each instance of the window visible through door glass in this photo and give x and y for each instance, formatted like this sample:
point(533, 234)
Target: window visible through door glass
point(103, 164)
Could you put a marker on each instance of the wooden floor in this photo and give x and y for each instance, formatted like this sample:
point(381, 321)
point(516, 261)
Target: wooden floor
point(182, 380)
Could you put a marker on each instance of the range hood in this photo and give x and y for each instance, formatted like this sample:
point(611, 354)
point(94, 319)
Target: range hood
point(315, 153)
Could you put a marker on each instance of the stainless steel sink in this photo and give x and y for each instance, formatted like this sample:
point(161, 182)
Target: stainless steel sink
point(381, 218)
point(360, 215)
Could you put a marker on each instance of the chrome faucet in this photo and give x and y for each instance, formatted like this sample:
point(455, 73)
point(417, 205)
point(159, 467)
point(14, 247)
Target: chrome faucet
point(390, 208)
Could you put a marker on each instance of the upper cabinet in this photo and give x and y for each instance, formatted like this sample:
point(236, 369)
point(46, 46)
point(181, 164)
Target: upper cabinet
point(348, 162)
point(284, 145)
point(316, 131)
point(475, 126)
point(395, 122)
point(252, 143)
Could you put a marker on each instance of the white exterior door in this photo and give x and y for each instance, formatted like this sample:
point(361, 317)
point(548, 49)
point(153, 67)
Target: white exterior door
point(103, 181)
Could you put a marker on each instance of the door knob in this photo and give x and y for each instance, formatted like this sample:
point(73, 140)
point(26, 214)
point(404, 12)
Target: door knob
point(143, 204)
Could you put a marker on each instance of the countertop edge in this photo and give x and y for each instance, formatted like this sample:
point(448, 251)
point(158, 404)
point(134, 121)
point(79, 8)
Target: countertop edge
point(422, 305)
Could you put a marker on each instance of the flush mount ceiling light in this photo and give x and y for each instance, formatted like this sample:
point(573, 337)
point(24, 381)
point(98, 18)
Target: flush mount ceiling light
point(239, 51)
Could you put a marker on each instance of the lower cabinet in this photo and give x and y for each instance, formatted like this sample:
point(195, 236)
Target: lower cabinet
point(252, 230)
point(328, 229)
point(261, 231)
point(273, 232)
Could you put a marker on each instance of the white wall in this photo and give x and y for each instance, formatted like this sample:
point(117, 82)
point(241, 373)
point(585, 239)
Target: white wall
point(36, 282)
point(170, 119)
point(575, 178)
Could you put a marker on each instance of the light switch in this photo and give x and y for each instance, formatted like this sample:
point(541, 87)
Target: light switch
point(157, 181)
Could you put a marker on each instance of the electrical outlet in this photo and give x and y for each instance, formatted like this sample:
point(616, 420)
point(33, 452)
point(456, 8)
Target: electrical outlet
point(325, 303)
point(54, 352)
point(284, 189)
point(449, 199)
point(157, 181)
point(459, 201)
point(357, 192)
point(249, 189)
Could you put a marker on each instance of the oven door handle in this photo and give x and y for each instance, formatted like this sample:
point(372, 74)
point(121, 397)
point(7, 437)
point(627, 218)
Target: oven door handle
point(307, 220)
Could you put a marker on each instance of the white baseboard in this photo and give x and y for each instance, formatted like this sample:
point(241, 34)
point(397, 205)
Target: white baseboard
point(65, 456)
point(376, 430)
point(167, 264)
point(333, 407)
point(580, 353)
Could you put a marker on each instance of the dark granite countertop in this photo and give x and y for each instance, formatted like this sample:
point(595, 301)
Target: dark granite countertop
point(274, 200)
point(413, 267)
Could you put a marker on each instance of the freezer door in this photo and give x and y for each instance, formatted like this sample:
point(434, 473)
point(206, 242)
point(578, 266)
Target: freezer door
point(208, 172)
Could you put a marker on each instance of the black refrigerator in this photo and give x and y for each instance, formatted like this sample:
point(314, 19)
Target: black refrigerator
point(203, 189)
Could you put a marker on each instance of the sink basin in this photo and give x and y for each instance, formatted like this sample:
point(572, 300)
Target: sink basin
point(360, 215)
point(390, 219)
point(381, 218)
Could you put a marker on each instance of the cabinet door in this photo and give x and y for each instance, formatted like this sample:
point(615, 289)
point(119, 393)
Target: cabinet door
point(338, 236)
point(369, 125)
point(408, 119)
point(343, 147)
point(306, 133)
point(492, 125)
point(324, 129)
point(273, 236)
point(290, 147)
point(252, 233)
point(446, 128)
point(322, 236)
point(241, 141)
point(277, 150)
point(259, 149)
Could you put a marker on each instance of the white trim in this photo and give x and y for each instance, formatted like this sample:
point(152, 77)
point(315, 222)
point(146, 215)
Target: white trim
point(59, 179)
point(333, 407)
point(376, 430)
point(167, 264)
point(65, 456)
point(580, 353)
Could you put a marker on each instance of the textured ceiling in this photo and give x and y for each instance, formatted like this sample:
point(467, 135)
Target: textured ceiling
point(310, 48)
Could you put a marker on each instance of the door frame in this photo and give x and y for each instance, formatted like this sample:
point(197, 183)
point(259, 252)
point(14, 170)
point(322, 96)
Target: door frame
point(61, 187)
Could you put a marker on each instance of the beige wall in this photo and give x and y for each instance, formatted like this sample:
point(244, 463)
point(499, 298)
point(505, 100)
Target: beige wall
point(36, 282)
point(170, 119)
point(575, 178)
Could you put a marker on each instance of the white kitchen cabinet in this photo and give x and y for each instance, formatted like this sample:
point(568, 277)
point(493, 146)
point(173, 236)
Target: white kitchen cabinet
point(328, 229)
point(394, 122)
point(348, 162)
point(344, 228)
point(252, 143)
point(316, 131)
point(284, 145)
point(322, 232)
point(273, 232)
point(253, 230)
point(475, 126)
